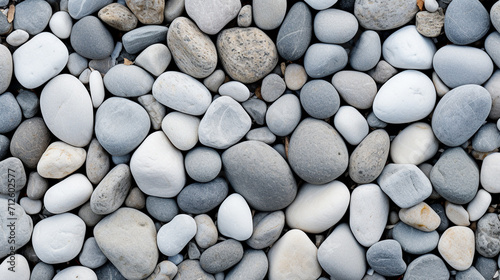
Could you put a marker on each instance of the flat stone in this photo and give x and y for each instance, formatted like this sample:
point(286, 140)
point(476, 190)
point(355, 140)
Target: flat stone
point(427, 266)
point(198, 198)
point(6, 67)
point(60, 160)
point(319, 99)
point(25, 146)
point(466, 21)
point(335, 26)
point(68, 194)
point(118, 16)
point(421, 217)
point(267, 227)
point(175, 235)
point(284, 115)
point(112, 191)
point(414, 241)
point(415, 144)
point(147, 12)
point(430, 24)
point(140, 38)
point(91, 255)
point(191, 269)
point(322, 60)
point(358, 89)
point(366, 52)
point(252, 266)
point(295, 32)
point(128, 81)
point(386, 258)
point(351, 124)
point(80, 8)
point(212, 16)
point(206, 233)
point(23, 222)
point(385, 14)
point(368, 159)
point(32, 16)
point(221, 256)
point(486, 139)
point(236, 90)
point(456, 246)
point(268, 15)
point(487, 235)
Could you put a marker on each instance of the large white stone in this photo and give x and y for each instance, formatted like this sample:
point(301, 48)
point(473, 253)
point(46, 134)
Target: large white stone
point(368, 213)
point(15, 267)
point(158, 167)
point(318, 207)
point(456, 246)
point(39, 59)
point(181, 129)
point(59, 238)
point(67, 110)
point(490, 175)
point(415, 144)
point(60, 159)
point(351, 124)
point(479, 205)
point(68, 194)
point(408, 49)
point(175, 235)
point(76, 272)
point(407, 97)
point(234, 218)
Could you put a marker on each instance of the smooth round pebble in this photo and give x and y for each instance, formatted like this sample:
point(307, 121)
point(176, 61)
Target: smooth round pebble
point(15, 267)
point(206, 231)
point(268, 15)
point(181, 129)
point(267, 227)
point(91, 39)
point(60, 160)
point(421, 217)
point(368, 159)
point(175, 235)
point(76, 272)
point(91, 256)
point(427, 266)
point(10, 112)
point(68, 194)
point(415, 144)
point(252, 266)
point(487, 138)
point(358, 89)
point(319, 99)
point(198, 198)
point(17, 37)
point(162, 209)
point(366, 52)
point(128, 81)
point(203, 164)
point(273, 86)
point(351, 124)
point(335, 26)
point(322, 59)
point(414, 241)
point(295, 32)
point(221, 256)
point(237, 90)
point(60, 24)
point(234, 218)
point(386, 258)
point(456, 214)
point(466, 21)
point(489, 176)
point(479, 205)
point(456, 246)
point(284, 115)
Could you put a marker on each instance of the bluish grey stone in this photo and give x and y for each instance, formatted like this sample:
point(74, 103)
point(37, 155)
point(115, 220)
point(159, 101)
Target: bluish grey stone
point(414, 241)
point(317, 152)
point(191, 269)
point(91, 39)
point(37, 186)
point(273, 86)
point(262, 134)
point(366, 52)
point(102, 65)
point(177, 259)
point(466, 21)
point(455, 176)
point(460, 113)
point(375, 122)
point(4, 146)
point(253, 266)
point(322, 60)
point(123, 159)
point(439, 209)
point(30, 141)
point(140, 38)
point(319, 99)
point(108, 272)
point(29, 103)
point(32, 16)
point(488, 235)
point(80, 8)
point(198, 198)
point(221, 256)
point(121, 125)
point(486, 266)
point(474, 66)
point(487, 138)
point(203, 164)
point(10, 112)
point(295, 32)
point(91, 255)
point(356, 88)
point(427, 267)
point(268, 15)
point(6, 66)
point(386, 258)
point(405, 184)
point(384, 14)
point(256, 108)
point(267, 227)
point(335, 26)
point(128, 81)
point(162, 209)
point(5, 25)
point(76, 64)
point(492, 46)
point(280, 148)
point(247, 166)
point(470, 273)
point(42, 271)
point(283, 115)
point(4, 3)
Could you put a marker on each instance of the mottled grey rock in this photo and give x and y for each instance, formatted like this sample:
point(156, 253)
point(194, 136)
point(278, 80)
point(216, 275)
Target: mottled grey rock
point(283, 115)
point(191, 269)
point(203, 164)
point(118, 16)
point(29, 103)
point(253, 266)
point(140, 38)
point(358, 89)
point(335, 26)
point(414, 241)
point(262, 134)
point(10, 112)
point(366, 52)
point(12, 176)
point(319, 99)
point(439, 209)
point(198, 198)
point(268, 15)
point(430, 24)
point(109, 271)
point(121, 125)
point(382, 72)
point(162, 209)
point(42, 271)
point(112, 191)
point(4, 146)
point(486, 266)
point(206, 231)
point(257, 109)
point(32, 16)
point(30, 141)
point(80, 8)
point(317, 152)
point(212, 16)
point(128, 81)
point(91, 39)
point(173, 9)
point(460, 113)
point(488, 235)
point(6, 66)
point(245, 16)
point(247, 167)
point(91, 255)
point(273, 86)
point(97, 162)
point(147, 11)
point(295, 32)
point(487, 138)
point(466, 21)
point(242, 57)
point(267, 227)
point(428, 266)
point(368, 159)
point(221, 256)
point(193, 251)
point(384, 14)
point(470, 273)
point(322, 59)
point(23, 223)
point(386, 258)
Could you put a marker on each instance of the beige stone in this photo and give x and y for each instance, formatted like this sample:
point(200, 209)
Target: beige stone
point(456, 214)
point(420, 216)
point(295, 76)
point(457, 247)
point(60, 160)
point(118, 16)
point(147, 11)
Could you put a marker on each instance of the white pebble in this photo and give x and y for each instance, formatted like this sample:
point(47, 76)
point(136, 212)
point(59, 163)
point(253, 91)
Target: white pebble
point(479, 205)
point(60, 24)
point(96, 88)
point(415, 144)
point(431, 5)
point(17, 37)
point(234, 218)
point(18, 264)
point(456, 214)
point(60, 159)
point(68, 194)
point(441, 88)
point(237, 90)
point(490, 175)
point(421, 217)
point(181, 129)
point(351, 124)
point(76, 272)
point(456, 246)
point(176, 234)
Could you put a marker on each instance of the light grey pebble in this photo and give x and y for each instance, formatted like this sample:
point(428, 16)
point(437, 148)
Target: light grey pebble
point(162, 209)
point(245, 16)
point(109, 271)
point(317, 152)
point(375, 122)
point(368, 159)
point(91, 255)
point(386, 258)
point(236, 90)
point(191, 269)
point(491, 45)
point(10, 167)
point(385, 14)
point(136, 199)
point(280, 148)
point(295, 32)
point(466, 21)
point(173, 9)
point(128, 81)
point(91, 39)
point(206, 233)
point(374, 276)
point(198, 198)
point(358, 89)
point(335, 26)
point(37, 186)
point(80, 8)
point(97, 163)
point(273, 86)
point(203, 164)
point(428, 266)
point(319, 99)
point(29, 103)
point(262, 134)
point(439, 209)
point(111, 192)
point(85, 76)
point(268, 15)
point(215, 80)
point(488, 235)
point(493, 87)
point(414, 241)
point(123, 159)
point(88, 216)
point(154, 108)
point(76, 64)
point(470, 273)
point(4, 146)
point(193, 251)
point(486, 266)
point(253, 266)
point(210, 16)
point(487, 138)
point(267, 227)
point(140, 38)
point(284, 115)
point(42, 271)
point(6, 66)
point(322, 59)
point(221, 256)
point(366, 52)
point(32, 16)
point(102, 65)
point(154, 59)
point(30, 140)
point(17, 37)
point(10, 112)
point(257, 109)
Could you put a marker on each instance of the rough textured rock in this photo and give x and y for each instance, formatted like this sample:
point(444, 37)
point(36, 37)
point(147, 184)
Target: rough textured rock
point(368, 159)
point(384, 14)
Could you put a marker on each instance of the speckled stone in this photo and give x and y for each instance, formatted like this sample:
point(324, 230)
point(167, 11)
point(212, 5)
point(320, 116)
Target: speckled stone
point(147, 11)
point(295, 32)
point(487, 235)
point(384, 14)
point(118, 16)
point(430, 24)
point(368, 159)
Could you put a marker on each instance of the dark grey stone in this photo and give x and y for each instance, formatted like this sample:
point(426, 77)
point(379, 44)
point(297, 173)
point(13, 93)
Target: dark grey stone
point(375, 122)
point(128, 81)
point(221, 256)
point(37, 186)
point(487, 138)
point(455, 176)
point(10, 112)
point(91, 39)
point(256, 109)
point(267, 227)
point(415, 241)
point(108, 272)
point(29, 103)
point(203, 164)
point(102, 65)
point(427, 267)
point(80, 8)
point(439, 209)
point(470, 273)
point(4, 146)
point(253, 266)
point(368, 159)
point(97, 163)
point(466, 21)
point(322, 59)
point(191, 269)
point(460, 113)
point(91, 255)
point(162, 209)
point(32, 16)
point(386, 258)
point(319, 99)
point(112, 191)
point(30, 141)
point(259, 173)
point(295, 32)
point(198, 198)
point(488, 235)
point(486, 266)
point(366, 52)
point(42, 271)
point(140, 38)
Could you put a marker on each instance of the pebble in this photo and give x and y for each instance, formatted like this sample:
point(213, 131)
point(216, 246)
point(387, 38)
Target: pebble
point(426, 267)
point(17, 38)
point(165, 269)
point(109, 271)
point(138, 258)
point(487, 235)
point(37, 186)
point(91, 39)
point(155, 109)
point(118, 16)
point(466, 21)
point(415, 144)
point(262, 134)
point(295, 76)
point(158, 167)
point(191, 269)
point(215, 80)
point(431, 6)
point(295, 32)
point(335, 26)
point(386, 258)
point(457, 214)
point(322, 60)
point(430, 24)
point(366, 52)
point(148, 11)
point(32, 16)
point(67, 110)
point(284, 115)
point(15, 267)
point(455, 176)
point(76, 64)
point(382, 72)
point(320, 4)
point(198, 198)
point(293, 256)
point(479, 205)
point(221, 256)
point(456, 246)
point(203, 164)
point(470, 273)
point(42, 271)
point(5, 25)
point(421, 217)
point(135, 199)
point(81, 8)
point(23, 226)
point(245, 16)
point(385, 14)
point(206, 231)
point(408, 49)
point(267, 227)
point(29, 103)
point(351, 124)
point(59, 238)
point(181, 129)
point(341, 256)
point(112, 191)
point(473, 67)
point(128, 81)
point(9, 167)
point(6, 67)
point(175, 235)
point(487, 138)
point(29, 141)
point(91, 255)
point(244, 60)
point(405, 192)
point(97, 162)
point(407, 97)
point(256, 109)
point(246, 165)
point(188, 96)
point(68, 194)
point(268, 15)
point(154, 59)
point(234, 218)
point(96, 87)
point(76, 272)
point(236, 90)
point(173, 9)
point(162, 209)
point(140, 38)
point(31, 206)
point(4, 146)
point(358, 89)
point(489, 176)
point(415, 241)
point(212, 16)
point(253, 266)
point(224, 123)
point(60, 160)
point(10, 112)
point(60, 24)
point(368, 159)
point(492, 87)
point(90, 218)
point(319, 99)
point(368, 214)
point(486, 266)
point(273, 86)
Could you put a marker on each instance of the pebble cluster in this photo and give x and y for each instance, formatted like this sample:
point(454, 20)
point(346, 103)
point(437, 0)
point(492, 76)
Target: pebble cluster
point(228, 139)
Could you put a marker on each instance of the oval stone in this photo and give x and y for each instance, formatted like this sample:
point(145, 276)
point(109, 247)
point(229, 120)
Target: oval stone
point(295, 32)
point(60, 160)
point(175, 235)
point(456, 245)
point(268, 15)
point(384, 14)
point(198, 198)
point(415, 144)
point(283, 115)
point(128, 81)
point(234, 218)
point(221, 256)
point(358, 89)
point(322, 59)
point(335, 26)
point(91, 39)
point(68, 194)
point(29, 141)
point(6, 68)
point(112, 191)
point(466, 21)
